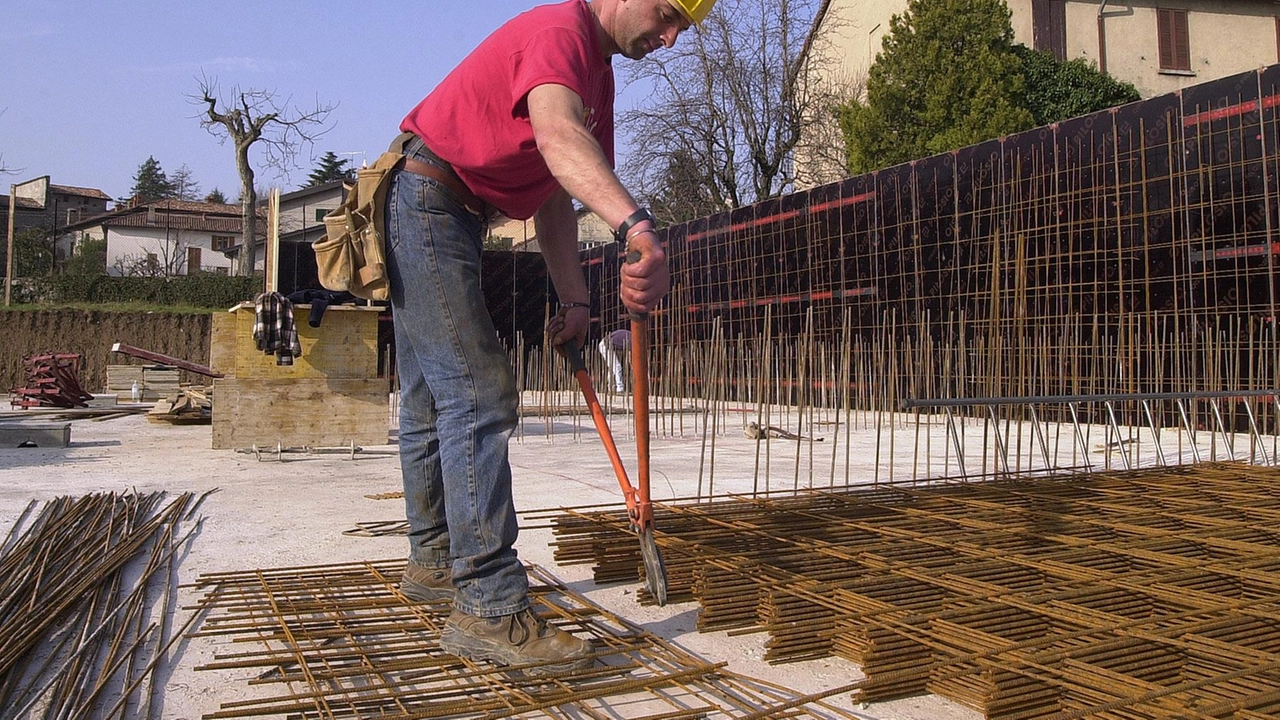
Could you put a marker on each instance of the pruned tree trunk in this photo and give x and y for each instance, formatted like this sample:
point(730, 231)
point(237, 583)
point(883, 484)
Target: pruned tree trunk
point(729, 105)
point(247, 115)
point(248, 211)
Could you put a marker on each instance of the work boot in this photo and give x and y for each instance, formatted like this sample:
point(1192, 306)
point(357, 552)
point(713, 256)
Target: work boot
point(516, 639)
point(426, 584)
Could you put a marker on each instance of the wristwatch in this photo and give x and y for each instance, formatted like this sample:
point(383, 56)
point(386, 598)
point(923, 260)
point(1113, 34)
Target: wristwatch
point(632, 220)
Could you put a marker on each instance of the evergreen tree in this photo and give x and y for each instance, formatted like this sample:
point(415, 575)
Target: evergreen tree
point(330, 168)
point(216, 196)
point(947, 77)
point(684, 195)
point(150, 183)
point(1057, 90)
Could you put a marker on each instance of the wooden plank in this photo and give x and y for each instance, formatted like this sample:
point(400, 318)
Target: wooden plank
point(164, 359)
point(120, 379)
point(315, 412)
point(344, 346)
point(153, 383)
point(67, 413)
point(271, 251)
point(222, 343)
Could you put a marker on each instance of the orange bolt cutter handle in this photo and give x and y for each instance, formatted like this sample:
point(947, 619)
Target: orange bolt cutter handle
point(639, 505)
point(573, 354)
point(640, 400)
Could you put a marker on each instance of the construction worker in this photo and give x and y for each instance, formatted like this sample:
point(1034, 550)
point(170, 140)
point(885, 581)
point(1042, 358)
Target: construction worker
point(521, 126)
point(613, 348)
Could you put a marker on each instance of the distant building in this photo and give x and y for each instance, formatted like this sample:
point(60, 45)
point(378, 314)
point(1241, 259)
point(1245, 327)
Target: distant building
point(302, 223)
point(1158, 45)
point(302, 211)
point(520, 235)
point(43, 205)
point(166, 237)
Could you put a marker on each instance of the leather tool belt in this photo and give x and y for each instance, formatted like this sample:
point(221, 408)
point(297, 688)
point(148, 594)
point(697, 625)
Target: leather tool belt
point(439, 170)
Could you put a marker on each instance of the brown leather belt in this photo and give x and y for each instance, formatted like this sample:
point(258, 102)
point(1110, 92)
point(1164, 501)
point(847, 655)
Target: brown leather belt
point(448, 179)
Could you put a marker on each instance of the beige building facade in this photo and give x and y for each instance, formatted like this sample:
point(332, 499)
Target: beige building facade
point(520, 235)
point(1160, 46)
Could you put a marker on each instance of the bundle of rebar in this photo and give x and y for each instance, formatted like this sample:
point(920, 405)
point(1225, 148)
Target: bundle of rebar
point(1129, 594)
point(340, 641)
point(85, 587)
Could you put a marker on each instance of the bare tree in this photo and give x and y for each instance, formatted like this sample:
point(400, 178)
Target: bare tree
point(251, 116)
point(185, 186)
point(730, 104)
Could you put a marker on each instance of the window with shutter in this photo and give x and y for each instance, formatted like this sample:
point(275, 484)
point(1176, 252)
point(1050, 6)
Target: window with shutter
point(1174, 40)
point(1049, 27)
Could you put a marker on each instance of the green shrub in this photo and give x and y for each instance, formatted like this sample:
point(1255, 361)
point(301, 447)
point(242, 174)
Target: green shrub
point(948, 77)
point(1057, 90)
point(206, 290)
point(90, 258)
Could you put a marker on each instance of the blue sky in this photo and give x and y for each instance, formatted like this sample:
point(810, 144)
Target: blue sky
point(94, 88)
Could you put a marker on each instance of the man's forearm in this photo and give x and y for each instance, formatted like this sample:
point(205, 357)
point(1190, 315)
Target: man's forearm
point(574, 156)
point(578, 163)
point(556, 224)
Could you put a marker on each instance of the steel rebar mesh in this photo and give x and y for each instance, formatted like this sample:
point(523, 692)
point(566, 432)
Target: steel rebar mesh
point(1112, 594)
point(339, 641)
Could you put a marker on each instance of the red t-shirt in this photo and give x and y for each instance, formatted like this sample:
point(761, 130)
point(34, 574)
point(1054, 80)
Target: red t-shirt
point(477, 118)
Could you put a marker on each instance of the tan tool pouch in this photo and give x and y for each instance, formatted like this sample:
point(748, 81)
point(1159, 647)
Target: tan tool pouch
point(351, 256)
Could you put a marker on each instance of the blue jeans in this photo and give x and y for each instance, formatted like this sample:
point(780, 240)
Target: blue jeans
point(458, 402)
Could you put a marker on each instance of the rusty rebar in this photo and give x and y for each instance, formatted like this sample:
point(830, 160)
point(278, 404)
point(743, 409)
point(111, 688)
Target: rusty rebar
point(340, 641)
point(1132, 591)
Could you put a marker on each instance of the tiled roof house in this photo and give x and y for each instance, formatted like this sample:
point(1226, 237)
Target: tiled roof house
point(167, 237)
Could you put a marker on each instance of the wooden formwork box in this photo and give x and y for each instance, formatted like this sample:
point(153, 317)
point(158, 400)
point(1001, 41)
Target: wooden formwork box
point(331, 395)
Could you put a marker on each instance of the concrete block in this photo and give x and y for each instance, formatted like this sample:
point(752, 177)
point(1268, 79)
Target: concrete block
point(43, 435)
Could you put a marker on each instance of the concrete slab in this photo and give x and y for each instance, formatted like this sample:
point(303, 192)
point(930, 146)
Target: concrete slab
point(28, 435)
point(102, 400)
point(293, 513)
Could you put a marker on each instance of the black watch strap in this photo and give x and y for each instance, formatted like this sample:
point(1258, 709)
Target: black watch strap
point(632, 220)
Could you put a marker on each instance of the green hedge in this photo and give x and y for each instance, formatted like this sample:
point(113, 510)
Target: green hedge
point(200, 290)
point(1057, 90)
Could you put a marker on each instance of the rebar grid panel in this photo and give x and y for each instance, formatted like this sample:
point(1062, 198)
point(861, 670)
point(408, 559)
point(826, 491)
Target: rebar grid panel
point(1126, 594)
point(339, 641)
point(1128, 251)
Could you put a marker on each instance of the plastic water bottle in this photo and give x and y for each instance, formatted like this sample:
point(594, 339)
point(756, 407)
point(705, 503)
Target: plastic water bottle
point(136, 392)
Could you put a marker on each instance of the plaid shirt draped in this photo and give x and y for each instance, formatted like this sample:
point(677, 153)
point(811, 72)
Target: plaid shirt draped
point(273, 327)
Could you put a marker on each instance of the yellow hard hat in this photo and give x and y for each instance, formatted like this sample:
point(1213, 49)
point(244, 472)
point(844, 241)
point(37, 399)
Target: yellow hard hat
point(695, 10)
